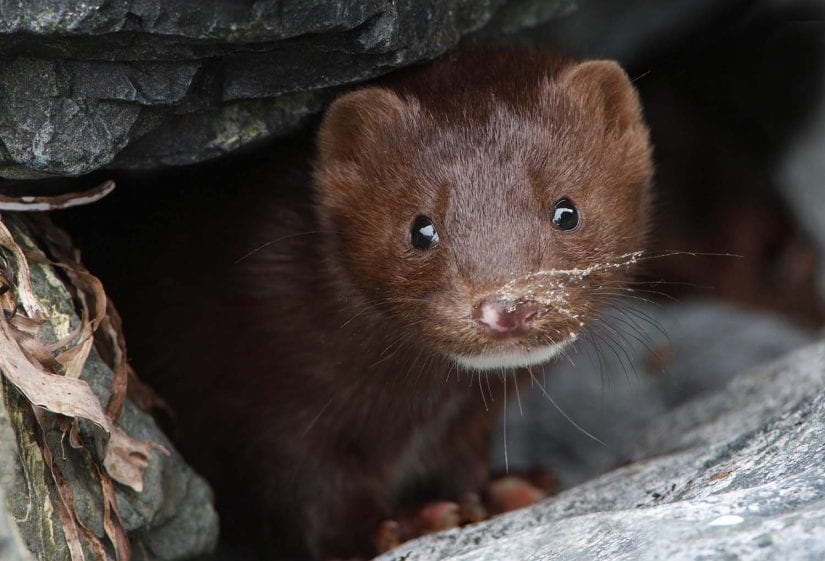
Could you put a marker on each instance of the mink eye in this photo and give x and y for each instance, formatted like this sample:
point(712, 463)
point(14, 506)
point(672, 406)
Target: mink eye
point(565, 215)
point(423, 234)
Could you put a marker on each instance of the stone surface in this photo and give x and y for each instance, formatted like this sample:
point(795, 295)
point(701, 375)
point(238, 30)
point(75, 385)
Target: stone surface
point(11, 544)
point(801, 171)
point(140, 84)
point(160, 521)
point(629, 31)
point(735, 473)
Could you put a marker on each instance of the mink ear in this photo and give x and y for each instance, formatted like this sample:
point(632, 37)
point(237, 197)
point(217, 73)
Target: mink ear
point(355, 118)
point(606, 88)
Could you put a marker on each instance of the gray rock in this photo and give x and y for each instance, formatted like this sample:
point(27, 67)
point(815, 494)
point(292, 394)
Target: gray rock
point(800, 177)
point(738, 474)
point(12, 547)
point(142, 84)
point(173, 518)
point(626, 31)
point(11, 544)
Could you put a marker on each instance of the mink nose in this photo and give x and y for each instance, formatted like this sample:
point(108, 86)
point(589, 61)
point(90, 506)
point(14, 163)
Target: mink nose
point(502, 318)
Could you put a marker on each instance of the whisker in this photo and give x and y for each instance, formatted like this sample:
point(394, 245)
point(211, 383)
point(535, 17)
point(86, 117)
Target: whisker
point(646, 291)
point(450, 370)
point(629, 296)
point(646, 318)
point(271, 242)
point(504, 430)
point(601, 364)
point(662, 253)
point(315, 419)
point(565, 415)
point(483, 397)
point(610, 344)
point(637, 334)
point(518, 393)
point(623, 343)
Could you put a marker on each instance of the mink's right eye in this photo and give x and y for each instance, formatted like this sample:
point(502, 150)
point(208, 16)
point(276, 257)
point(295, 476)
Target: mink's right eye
point(565, 215)
point(423, 234)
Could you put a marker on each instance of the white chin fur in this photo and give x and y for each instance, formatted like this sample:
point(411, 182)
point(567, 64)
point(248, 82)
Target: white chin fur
point(511, 359)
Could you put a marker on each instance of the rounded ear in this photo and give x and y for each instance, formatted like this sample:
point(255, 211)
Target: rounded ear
point(353, 119)
point(603, 86)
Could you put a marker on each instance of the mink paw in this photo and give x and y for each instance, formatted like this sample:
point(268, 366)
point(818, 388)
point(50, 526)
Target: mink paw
point(511, 493)
point(432, 517)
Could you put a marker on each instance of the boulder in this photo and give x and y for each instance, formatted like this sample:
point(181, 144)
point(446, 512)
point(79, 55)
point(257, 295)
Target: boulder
point(142, 84)
point(172, 518)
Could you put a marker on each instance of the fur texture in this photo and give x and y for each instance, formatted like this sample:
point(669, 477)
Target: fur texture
point(314, 382)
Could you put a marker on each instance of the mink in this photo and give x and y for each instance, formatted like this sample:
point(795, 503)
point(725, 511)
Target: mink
point(334, 343)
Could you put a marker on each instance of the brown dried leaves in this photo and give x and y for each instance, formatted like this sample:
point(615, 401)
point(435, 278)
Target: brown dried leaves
point(51, 383)
point(39, 203)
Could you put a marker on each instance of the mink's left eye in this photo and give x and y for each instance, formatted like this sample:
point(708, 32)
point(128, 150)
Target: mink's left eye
point(423, 234)
point(565, 215)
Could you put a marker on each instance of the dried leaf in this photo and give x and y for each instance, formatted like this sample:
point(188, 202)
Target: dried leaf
point(112, 328)
point(65, 508)
point(24, 325)
point(31, 367)
point(65, 341)
point(67, 396)
point(105, 323)
point(8, 305)
point(35, 203)
point(112, 348)
point(74, 358)
point(33, 348)
point(125, 458)
point(112, 521)
point(67, 516)
point(25, 293)
point(88, 286)
point(95, 544)
point(145, 397)
point(74, 435)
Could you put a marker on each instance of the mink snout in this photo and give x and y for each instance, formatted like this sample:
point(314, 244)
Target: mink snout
point(501, 319)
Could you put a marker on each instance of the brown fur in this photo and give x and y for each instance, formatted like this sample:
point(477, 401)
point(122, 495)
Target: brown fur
point(314, 386)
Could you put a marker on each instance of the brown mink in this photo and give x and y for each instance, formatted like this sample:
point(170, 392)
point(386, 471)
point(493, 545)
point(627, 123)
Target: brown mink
point(463, 221)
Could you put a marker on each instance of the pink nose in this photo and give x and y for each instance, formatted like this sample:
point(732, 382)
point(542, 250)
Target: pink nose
point(505, 319)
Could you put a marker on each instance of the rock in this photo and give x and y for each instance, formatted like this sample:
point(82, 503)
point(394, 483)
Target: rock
point(11, 544)
point(142, 84)
point(734, 473)
point(173, 518)
point(607, 29)
point(801, 171)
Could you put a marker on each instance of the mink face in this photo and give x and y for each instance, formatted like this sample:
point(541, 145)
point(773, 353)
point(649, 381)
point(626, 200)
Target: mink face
point(490, 226)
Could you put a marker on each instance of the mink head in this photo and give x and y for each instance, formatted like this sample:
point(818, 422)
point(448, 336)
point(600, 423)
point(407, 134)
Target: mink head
point(489, 221)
